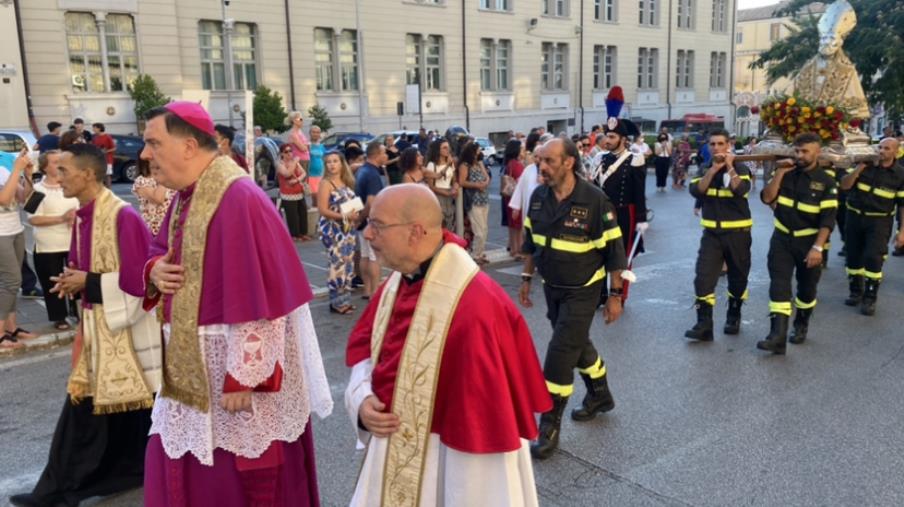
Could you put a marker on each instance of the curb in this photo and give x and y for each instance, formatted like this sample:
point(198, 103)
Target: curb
point(62, 338)
point(44, 341)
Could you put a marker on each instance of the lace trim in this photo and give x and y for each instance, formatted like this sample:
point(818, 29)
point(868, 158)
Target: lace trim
point(248, 351)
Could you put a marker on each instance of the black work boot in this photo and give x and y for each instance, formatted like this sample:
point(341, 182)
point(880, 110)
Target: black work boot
point(801, 325)
point(597, 400)
point(733, 317)
point(778, 333)
point(550, 427)
point(703, 329)
point(870, 294)
point(855, 284)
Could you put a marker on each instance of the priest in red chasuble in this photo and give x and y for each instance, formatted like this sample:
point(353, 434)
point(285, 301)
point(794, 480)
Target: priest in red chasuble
point(445, 379)
point(242, 369)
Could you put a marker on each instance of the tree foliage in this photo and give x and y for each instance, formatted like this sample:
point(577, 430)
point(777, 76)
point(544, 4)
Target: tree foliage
point(320, 117)
point(146, 95)
point(269, 112)
point(876, 47)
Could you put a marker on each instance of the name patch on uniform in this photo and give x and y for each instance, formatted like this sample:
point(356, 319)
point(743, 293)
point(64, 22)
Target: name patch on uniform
point(536, 205)
point(576, 223)
point(579, 212)
point(819, 187)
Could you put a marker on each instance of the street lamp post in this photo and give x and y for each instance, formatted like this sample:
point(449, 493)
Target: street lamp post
point(228, 25)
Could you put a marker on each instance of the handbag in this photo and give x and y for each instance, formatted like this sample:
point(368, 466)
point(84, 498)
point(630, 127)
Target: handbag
point(508, 184)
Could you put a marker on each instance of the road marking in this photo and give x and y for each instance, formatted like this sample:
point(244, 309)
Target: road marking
point(321, 268)
point(36, 359)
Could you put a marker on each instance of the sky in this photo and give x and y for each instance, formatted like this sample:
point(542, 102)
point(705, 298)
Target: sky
point(747, 4)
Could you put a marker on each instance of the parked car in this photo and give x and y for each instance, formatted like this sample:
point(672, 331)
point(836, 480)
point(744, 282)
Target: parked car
point(337, 139)
point(489, 151)
point(412, 136)
point(266, 154)
point(125, 158)
point(12, 141)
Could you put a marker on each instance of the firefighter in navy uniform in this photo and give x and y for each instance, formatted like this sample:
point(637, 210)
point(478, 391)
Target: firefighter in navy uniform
point(805, 201)
point(874, 191)
point(721, 189)
point(622, 176)
point(573, 240)
point(836, 174)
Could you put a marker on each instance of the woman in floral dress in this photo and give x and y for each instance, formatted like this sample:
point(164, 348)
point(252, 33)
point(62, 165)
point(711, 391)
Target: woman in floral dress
point(337, 231)
point(153, 199)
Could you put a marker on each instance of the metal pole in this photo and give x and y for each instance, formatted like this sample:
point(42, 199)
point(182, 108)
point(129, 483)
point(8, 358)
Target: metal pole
point(362, 86)
point(291, 58)
point(227, 47)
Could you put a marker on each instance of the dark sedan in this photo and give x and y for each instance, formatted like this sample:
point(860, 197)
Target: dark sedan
point(125, 160)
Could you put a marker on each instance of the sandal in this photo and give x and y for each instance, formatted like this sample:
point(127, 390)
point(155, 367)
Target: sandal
point(13, 342)
point(62, 325)
point(23, 334)
point(343, 310)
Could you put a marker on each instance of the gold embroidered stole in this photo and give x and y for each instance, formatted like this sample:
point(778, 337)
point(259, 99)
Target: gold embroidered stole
point(108, 368)
point(184, 368)
point(415, 389)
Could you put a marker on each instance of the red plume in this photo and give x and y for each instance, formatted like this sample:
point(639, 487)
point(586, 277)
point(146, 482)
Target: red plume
point(616, 94)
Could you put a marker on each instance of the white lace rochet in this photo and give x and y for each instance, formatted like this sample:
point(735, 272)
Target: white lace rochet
point(249, 352)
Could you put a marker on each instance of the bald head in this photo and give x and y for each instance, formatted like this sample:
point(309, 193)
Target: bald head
point(888, 150)
point(405, 226)
point(412, 203)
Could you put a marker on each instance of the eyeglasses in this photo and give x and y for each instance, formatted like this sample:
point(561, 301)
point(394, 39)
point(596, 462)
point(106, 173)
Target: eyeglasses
point(380, 227)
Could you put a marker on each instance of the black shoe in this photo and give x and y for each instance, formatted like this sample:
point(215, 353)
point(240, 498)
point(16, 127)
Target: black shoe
point(550, 427)
point(898, 252)
point(597, 400)
point(855, 287)
point(775, 341)
point(703, 329)
point(870, 294)
point(842, 252)
point(33, 294)
point(30, 500)
point(801, 326)
point(357, 282)
point(733, 317)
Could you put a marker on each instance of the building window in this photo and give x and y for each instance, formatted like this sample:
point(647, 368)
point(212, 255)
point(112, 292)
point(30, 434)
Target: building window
point(554, 68)
point(739, 37)
point(647, 13)
point(424, 57)
point(775, 32)
point(559, 8)
point(720, 12)
point(717, 64)
point(84, 34)
point(647, 68)
point(336, 60)
point(604, 10)
point(496, 5)
point(603, 67)
point(213, 61)
point(495, 58)
point(686, 14)
point(323, 58)
point(685, 69)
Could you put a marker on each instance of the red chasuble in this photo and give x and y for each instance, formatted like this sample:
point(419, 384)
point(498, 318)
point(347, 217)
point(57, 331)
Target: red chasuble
point(490, 382)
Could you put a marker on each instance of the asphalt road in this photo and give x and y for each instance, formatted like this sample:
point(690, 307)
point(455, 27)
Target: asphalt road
point(695, 424)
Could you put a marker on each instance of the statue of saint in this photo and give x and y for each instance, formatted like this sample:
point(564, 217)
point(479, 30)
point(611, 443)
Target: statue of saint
point(830, 76)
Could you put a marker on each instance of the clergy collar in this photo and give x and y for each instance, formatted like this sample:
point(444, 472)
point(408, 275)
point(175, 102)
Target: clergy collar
point(188, 191)
point(421, 272)
point(87, 210)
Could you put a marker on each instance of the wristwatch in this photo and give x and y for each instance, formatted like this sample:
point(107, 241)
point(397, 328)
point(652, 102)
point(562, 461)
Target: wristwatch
point(526, 277)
